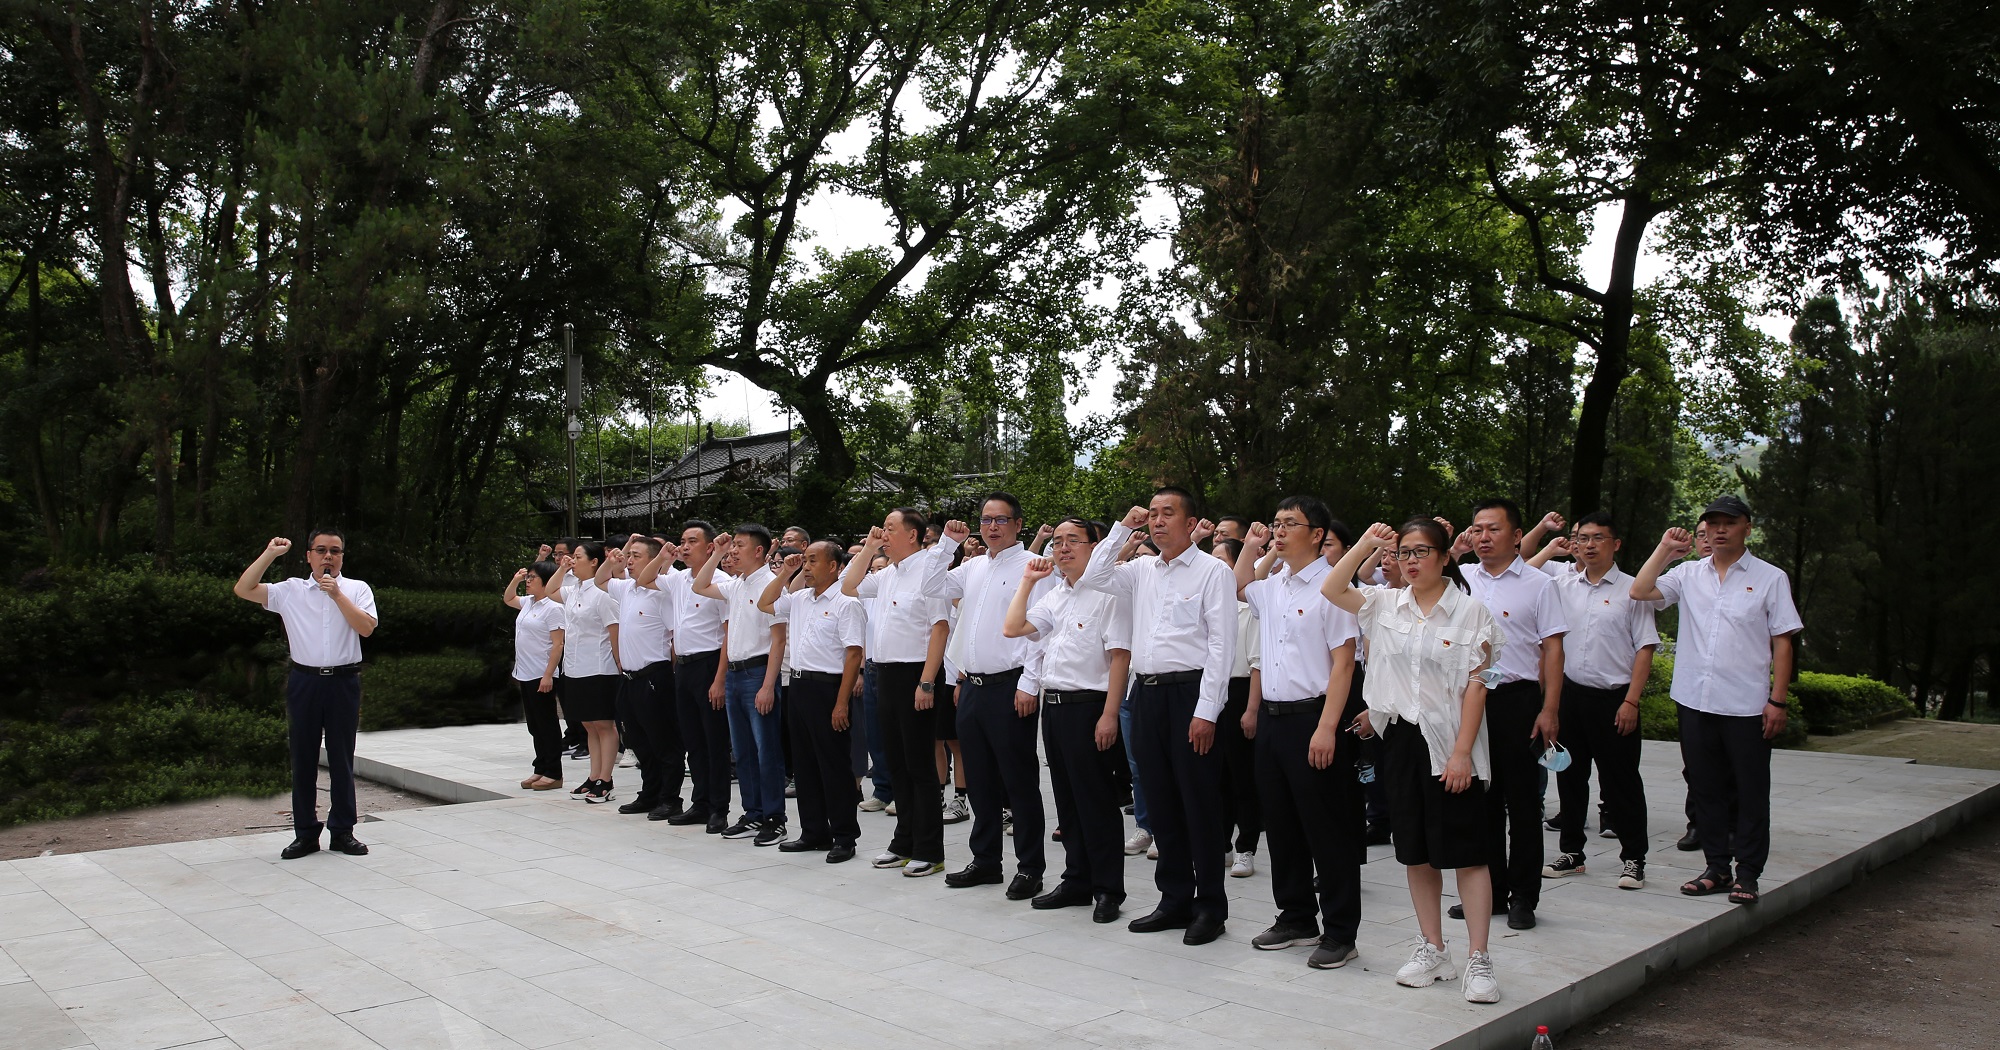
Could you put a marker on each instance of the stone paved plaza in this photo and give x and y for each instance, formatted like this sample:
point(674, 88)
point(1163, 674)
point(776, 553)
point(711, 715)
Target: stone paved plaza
point(540, 922)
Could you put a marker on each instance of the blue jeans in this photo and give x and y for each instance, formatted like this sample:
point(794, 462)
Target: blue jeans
point(1138, 795)
point(878, 755)
point(760, 759)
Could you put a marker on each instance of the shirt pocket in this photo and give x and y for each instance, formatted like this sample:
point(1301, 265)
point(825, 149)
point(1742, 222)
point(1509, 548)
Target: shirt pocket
point(1182, 613)
point(1452, 648)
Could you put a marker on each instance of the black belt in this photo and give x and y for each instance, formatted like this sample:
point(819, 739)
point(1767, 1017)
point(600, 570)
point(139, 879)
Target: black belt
point(643, 671)
point(327, 672)
point(818, 676)
point(991, 677)
point(1170, 678)
point(681, 658)
point(1278, 708)
point(745, 665)
point(1074, 696)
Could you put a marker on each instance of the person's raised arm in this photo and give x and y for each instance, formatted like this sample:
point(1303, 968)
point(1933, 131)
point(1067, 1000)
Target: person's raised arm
point(510, 595)
point(704, 577)
point(768, 601)
point(937, 579)
point(648, 574)
point(1339, 586)
point(1042, 537)
point(1101, 572)
point(1550, 523)
point(857, 567)
point(1254, 542)
point(1017, 625)
point(1674, 545)
point(608, 567)
point(251, 586)
point(1556, 545)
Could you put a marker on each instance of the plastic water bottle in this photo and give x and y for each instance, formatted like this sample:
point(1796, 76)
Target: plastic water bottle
point(1366, 772)
point(1542, 1040)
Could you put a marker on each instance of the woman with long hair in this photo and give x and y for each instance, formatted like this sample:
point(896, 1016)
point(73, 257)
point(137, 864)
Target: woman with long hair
point(538, 646)
point(590, 671)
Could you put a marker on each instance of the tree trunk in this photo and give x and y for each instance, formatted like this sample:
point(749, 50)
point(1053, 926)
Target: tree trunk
point(1593, 419)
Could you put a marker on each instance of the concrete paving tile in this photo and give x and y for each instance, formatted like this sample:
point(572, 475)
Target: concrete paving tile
point(1102, 987)
point(35, 1022)
point(321, 912)
point(154, 935)
point(137, 1013)
point(10, 971)
point(634, 1001)
point(223, 984)
point(13, 881)
point(301, 1026)
point(255, 930)
point(924, 939)
point(337, 980)
point(406, 954)
point(33, 913)
point(962, 1024)
point(571, 929)
point(717, 984)
point(796, 970)
point(676, 926)
point(517, 1009)
point(412, 907)
point(509, 948)
point(800, 1019)
point(425, 1024)
point(837, 946)
point(74, 957)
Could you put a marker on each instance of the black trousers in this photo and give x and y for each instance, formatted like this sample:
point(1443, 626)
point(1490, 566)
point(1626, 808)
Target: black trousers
point(704, 734)
point(1086, 799)
point(822, 763)
point(1001, 768)
point(1183, 800)
point(316, 706)
point(1242, 811)
point(910, 738)
point(645, 716)
point(1514, 799)
point(1315, 818)
point(573, 735)
point(544, 728)
point(1729, 775)
point(1590, 731)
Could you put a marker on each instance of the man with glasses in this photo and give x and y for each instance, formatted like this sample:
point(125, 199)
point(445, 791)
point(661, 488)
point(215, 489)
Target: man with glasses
point(1522, 707)
point(997, 695)
point(325, 618)
point(1607, 657)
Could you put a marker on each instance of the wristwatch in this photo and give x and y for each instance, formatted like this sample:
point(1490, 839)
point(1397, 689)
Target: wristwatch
point(926, 687)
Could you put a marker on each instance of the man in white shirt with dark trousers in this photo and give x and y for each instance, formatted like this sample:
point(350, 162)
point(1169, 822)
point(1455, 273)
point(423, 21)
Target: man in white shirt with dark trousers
point(325, 616)
point(1183, 605)
point(646, 695)
point(997, 695)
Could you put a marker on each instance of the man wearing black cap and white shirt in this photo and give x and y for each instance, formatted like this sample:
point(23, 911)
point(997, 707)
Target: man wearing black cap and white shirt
point(1183, 644)
point(325, 618)
point(1732, 668)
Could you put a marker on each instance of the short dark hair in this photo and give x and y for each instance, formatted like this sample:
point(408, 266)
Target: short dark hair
point(756, 532)
point(651, 543)
point(1013, 505)
point(1241, 521)
point(1187, 499)
point(568, 541)
point(1512, 509)
point(1092, 530)
point(912, 518)
point(617, 539)
point(327, 530)
point(544, 571)
point(801, 530)
point(1338, 530)
point(1235, 547)
point(1600, 518)
point(707, 530)
point(1316, 513)
point(591, 549)
point(833, 550)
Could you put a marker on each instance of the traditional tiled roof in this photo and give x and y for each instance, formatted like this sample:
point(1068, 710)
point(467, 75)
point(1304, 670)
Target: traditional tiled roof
point(755, 463)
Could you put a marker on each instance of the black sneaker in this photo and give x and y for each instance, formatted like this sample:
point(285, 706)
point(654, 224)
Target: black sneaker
point(1332, 954)
point(742, 829)
point(791, 787)
point(1284, 935)
point(770, 833)
point(579, 753)
point(1565, 865)
point(1604, 828)
point(1554, 823)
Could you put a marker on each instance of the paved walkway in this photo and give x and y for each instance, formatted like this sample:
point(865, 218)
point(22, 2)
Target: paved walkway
point(541, 922)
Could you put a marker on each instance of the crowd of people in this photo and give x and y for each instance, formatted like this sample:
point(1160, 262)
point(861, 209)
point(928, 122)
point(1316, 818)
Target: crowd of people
point(1222, 683)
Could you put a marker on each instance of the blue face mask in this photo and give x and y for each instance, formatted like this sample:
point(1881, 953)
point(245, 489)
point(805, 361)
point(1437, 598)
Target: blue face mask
point(1556, 758)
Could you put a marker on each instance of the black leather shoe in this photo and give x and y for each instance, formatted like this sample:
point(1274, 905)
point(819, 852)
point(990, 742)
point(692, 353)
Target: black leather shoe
point(840, 854)
point(638, 805)
point(299, 848)
point(802, 846)
point(1520, 916)
point(1457, 911)
point(688, 817)
point(1157, 922)
point(1377, 834)
point(1105, 909)
point(667, 810)
point(718, 823)
point(1689, 842)
point(974, 875)
point(1024, 887)
point(1202, 930)
point(347, 844)
point(1063, 896)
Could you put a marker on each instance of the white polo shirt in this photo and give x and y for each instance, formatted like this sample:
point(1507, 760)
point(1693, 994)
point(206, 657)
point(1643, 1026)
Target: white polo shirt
point(1523, 603)
point(819, 628)
point(316, 632)
point(900, 615)
point(588, 613)
point(642, 624)
point(1722, 658)
point(1075, 631)
point(1606, 628)
point(749, 626)
point(1297, 630)
point(534, 627)
point(1184, 615)
point(698, 619)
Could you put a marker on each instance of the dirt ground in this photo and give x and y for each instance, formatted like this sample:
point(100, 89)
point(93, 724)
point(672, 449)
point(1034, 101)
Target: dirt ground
point(182, 821)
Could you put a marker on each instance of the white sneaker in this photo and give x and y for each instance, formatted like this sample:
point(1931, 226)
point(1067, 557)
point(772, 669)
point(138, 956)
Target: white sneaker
point(1153, 851)
point(1245, 866)
point(1427, 964)
point(890, 809)
point(1138, 843)
point(917, 869)
point(956, 811)
point(1480, 985)
point(871, 804)
point(885, 859)
point(628, 760)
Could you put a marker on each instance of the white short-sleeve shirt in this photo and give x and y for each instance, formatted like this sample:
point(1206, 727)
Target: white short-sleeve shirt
point(534, 626)
point(1076, 629)
point(1606, 628)
point(588, 613)
point(315, 631)
point(901, 615)
point(1523, 603)
point(819, 628)
point(1722, 658)
point(1297, 631)
point(1419, 665)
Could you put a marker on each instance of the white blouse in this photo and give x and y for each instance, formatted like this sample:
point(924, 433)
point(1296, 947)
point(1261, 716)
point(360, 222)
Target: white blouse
point(1418, 665)
point(534, 626)
point(588, 614)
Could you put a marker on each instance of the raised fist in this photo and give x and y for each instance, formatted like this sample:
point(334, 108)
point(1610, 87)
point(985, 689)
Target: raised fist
point(520, 574)
point(1676, 542)
point(875, 538)
point(1449, 529)
point(278, 545)
point(1038, 569)
point(792, 563)
point(542, 553)
point(1552, 522)
point(1203, 529)
point(1043, 534)
point(1378, 535)
point(1135, 517)
point(1258, 537)
point(956, 531)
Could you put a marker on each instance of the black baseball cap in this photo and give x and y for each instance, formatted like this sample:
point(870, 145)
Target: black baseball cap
point(1730, 505)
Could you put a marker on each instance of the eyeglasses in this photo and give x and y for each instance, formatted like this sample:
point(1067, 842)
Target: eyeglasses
point(1589, 540)
point(1000, 520)
point(335, 551)
point(1065, 541)
point(1291, 525)
point(1415, 553)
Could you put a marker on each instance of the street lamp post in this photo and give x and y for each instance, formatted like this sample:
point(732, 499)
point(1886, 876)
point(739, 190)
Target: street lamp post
point(573, 402)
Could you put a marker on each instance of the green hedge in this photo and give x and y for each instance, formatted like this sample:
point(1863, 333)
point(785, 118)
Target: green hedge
point(1659, 716)
point(1836, 703)
point(451, 688)
point(113, 757)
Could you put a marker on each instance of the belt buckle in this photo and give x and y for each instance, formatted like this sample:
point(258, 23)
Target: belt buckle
point(324, 672)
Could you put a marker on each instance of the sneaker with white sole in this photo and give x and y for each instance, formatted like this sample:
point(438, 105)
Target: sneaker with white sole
point(1153, 851)
point(1138, 843)
point(871, 804)
point(742, 829)
point(886, 859)
point(917, 869)
point(1480, 984)
point(956, 811)
point(1281, 936)
point(770, 833)
point(1429, 963)
point(1245, 865)
point(1634, 876)
point(628, 760)
point(890, 809)
point(1565, 865)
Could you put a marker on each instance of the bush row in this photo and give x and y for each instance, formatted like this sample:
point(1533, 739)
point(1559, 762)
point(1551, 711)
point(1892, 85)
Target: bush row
point(1820, 703)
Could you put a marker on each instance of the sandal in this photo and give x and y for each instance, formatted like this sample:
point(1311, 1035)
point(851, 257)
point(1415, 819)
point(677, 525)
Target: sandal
point(546, 784)
point(1744, 892)
point(530, 782)
point(1710, 881)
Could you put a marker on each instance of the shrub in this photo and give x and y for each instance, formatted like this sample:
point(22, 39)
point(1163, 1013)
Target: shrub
point(449, 688)
point(1836, 703)
point(1659, 718)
